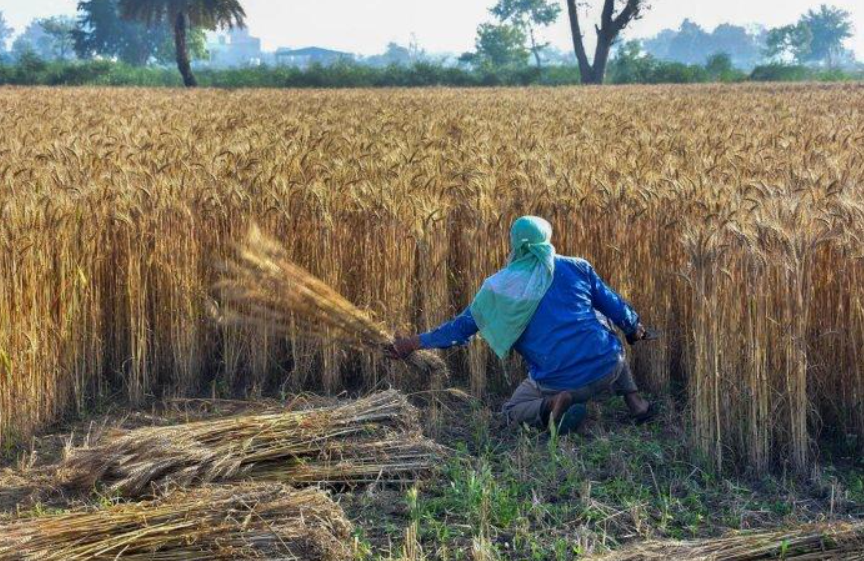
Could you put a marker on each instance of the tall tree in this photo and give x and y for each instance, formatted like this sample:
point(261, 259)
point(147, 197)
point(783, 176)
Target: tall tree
point(528, 15)
point(59, 30)
point(183, 15)
point(5, 32)
point(100, 31)
point(743, 47)
point(498, 46)
point(34, 41)
point(692, 44)
point(659, 46)
point(611, 24)
point(630, 65)
point(829, 28)
point(817, 37)
point(789, 41)
point(196, 42)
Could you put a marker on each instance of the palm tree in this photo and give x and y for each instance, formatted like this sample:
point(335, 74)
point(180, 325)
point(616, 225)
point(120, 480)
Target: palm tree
point(183, 14)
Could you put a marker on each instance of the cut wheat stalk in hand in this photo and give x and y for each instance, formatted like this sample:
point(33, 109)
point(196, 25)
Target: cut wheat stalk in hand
point(261, 285)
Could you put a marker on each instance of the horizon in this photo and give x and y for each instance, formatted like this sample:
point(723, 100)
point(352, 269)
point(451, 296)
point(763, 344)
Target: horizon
point(367, 29)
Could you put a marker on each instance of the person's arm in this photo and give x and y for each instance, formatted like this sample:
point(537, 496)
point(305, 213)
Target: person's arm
point(457, 331)
point(613, 306)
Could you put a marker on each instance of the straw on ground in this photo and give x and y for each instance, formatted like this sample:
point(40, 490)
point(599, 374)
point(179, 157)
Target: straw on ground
point(250, 521)
point(811, 542)
point(376, 438)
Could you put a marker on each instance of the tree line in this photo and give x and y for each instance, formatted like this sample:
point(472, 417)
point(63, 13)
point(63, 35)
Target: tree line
point(629, 66)
point(816, 39)
point(509, 50)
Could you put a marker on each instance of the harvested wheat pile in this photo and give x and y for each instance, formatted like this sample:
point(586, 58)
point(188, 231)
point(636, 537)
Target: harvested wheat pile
point(809, 542)
point(377, 437)
point(251, 521)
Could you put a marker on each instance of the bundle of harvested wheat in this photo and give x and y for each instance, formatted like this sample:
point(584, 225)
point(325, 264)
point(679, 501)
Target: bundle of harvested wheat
point(377, 437)
point(261, 285)
point(251, 521)
point(808, 542)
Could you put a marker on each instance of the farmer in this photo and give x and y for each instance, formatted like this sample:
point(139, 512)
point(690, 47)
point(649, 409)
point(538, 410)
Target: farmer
point(552, 310)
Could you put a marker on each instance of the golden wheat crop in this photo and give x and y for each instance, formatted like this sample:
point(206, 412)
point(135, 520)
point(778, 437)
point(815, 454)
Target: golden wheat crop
point(730, 216)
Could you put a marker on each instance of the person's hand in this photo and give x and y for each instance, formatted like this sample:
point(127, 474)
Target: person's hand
point(637, 335)
point(402, 347)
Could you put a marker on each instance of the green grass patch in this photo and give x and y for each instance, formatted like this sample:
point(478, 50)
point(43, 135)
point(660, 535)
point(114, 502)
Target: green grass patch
point(519, 495)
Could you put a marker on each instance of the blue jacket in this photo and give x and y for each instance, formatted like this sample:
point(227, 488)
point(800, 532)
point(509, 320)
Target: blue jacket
point(566, 344)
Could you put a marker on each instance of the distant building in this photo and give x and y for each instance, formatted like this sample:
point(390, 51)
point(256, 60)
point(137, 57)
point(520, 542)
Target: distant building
point(237, 48)
point(305, 57)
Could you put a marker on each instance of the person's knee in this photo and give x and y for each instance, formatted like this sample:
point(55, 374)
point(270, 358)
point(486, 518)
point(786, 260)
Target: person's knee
point(525, 412)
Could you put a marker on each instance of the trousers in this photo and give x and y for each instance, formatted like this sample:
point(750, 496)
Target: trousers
point(526, 403)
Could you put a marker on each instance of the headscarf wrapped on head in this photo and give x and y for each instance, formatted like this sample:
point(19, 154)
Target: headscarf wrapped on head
point(508, 299)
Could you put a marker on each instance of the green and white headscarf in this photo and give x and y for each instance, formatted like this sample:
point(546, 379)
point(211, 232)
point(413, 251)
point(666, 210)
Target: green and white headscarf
point(508, 299)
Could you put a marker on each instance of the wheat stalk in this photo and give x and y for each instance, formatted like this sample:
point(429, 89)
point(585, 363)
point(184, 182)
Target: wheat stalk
point(809, 542)
point(731, 218)
point(262, 286)
point(249, 521)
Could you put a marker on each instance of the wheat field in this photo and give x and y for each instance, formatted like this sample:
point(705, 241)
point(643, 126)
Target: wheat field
point(730, 216)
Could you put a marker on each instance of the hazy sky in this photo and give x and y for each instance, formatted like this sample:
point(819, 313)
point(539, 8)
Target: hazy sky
point(366, 26)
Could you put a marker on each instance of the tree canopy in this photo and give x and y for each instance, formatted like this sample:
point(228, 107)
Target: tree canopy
point(46, 38)
point(166, 51)
point(528, 15)
point(816, 38)
point(59, 30)
point(100, 31)
point(498, 46)
point(207, 14)
point(692, 44)
point(829, 28)
point(5, 32)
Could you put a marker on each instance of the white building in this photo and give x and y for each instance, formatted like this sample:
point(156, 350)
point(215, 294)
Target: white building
point(235, 49)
